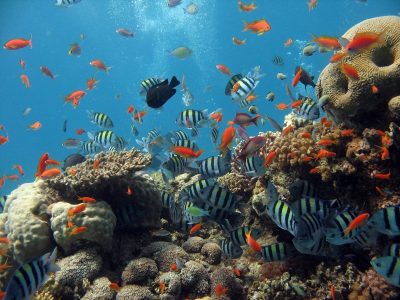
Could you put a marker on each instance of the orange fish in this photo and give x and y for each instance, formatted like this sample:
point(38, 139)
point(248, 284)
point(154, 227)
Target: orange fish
point(253, 244)
point(87, 199)
point(380, 132)
point(386, 140)
point(379, 190)
point(363, 41)
point(90, 83)
point(76, 209)
point(78, 230)
point(224, 69)
point(50, 173)
point(220, 290)
point(297, 77)
point(25, 80)
point(3, 139)
point(382, 176)
point(325, 154)
point(19, 168)
point(385, 153)
point(312, 4)
point(75, 95)
point(161, 287)
point(139, 115)
point(4, 240)
point(307, 158)
point(42, 164)
point(238, 42)
point(347, 132)
point(4, 267)
point(72, 171)
point(129, 191)
point(269, 158)
point(35, 126)
point(246, 7)
point(314, 170)
point(114, 286)
point(374, 89)
point(328, 42)
point(296, 103)
point(12, 177)
point(99, 65)
point(131, 109)
point(349, 71)
point(195, 228)
point(18, 43)
point(259, 26)
point(237, 272)
point(282, 106)
point(80, 131)
point(186, 152)
point(2, 295)
point(326, 142)
point(3, 252)
point(288, 42)
point(235, 87)
point(337, 57)
point(333, 292)
point(287, 129)
point(251, 97)
point(173, 267)
point(22, 63)
point(2, 181)
point(357, 222)
point(70, 224)
point(217, 116)
point(52, 162)
point(46, 71)
point(306, 135)
point(226, 139)
point(96, 164)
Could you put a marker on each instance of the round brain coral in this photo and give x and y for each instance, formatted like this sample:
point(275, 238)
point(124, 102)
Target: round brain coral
point(353, 101)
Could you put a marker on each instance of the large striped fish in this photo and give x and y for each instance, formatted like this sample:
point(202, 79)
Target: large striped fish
point(100, 119)
point(277, 252)
point(214, 166)
point(386, 220)
point(191, 118)
point(279, 211)
point(246, 85)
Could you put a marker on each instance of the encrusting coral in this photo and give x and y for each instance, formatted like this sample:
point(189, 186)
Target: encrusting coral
point(353, 101)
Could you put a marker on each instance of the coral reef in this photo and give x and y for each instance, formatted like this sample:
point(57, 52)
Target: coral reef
point(165, 254)
point(99, 289)
point(227, 279)
point(193, 244)
point(136, 292)
point(195, 279)
point(352, 101)
point(139, 270)
point(98, 218)
point(212, 253)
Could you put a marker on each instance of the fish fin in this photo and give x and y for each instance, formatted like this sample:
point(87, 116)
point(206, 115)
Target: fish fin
point(90, 135)
point(174, 82)
point(30, 41)
point(245, 26)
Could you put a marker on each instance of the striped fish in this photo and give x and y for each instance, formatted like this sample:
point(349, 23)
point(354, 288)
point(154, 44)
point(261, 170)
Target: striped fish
point(220, 197)
point(166, 199)
point(90, 147)
point(277, 252)
point(216, 214)
point(238, 236)
point(311, 205)
point(392, 250)
point(194, 131)
point(389, 268)
point(104, 137)
point(367, 238)
point(309, 229)
point(334, 231)
point(187, 144)
point(100, 119)
point(278, 60)
point(254, 166)
point(200, 189)
point(229, 249)
point(191, 118)
point(231, 83)
point(179, 135)
point(214, 135)
point(175, 212)
point(320, 247)
point(152, 135)
point(29, 277)
point(175, 165)
point(66, 3)
point(302, 189)
point(134, 130)
point(308, 109)
point(3, 200)
point(214, 166)
point(226, 225)
point(119, 145)
point(387, 220)
point(148, 83)
point(246, 86)
point(280, 212)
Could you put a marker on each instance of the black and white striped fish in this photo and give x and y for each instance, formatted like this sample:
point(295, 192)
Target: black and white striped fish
point(235, 78)
point(280, 212)
point(104, 138)
point(166, 199)
point(311, 205)
point(200, 189)
point(90, 147)
point(254, 166)
point(214, 134)
point(387, 220)
point(319, 247)
point(66, 3)
point(187, 143)
point(220, 197)
point(175, 165)
point(100, 119)
point(191, 118)
point(308, 109)
point(367, 238)
point(277, 252)
point(388, 267)
point(148, 83)
point(230, 249)
point(334, 231)
point(29, 277)
point(179, 135)
point(392, 250)
point(246, 86)
point(214, 166)
point(278, 60)
point(309, 229)
point(302, 189)
point(238, 236)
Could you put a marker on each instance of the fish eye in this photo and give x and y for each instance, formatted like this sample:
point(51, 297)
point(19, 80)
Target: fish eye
point(378, 264)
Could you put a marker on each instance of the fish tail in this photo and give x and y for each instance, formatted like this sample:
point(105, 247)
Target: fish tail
point(255, 119)
point(198, 153)
point(108, 69)
point(30, 41)
point(245, 25)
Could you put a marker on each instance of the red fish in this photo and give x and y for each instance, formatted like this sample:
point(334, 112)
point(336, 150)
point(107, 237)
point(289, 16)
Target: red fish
point(382, 176)
point(25, 80)
point(2, 181)
point(42, 164)
point(306, 135)
point(139, 115)
point(288, 42)
point(235, 87)
point(216, 116)
point(325, 154)
point(12, 177)
point(96, 164)
point(46, 71)
point(129, 192)
point(52, 162)
point(297, 77)
point(131, 109)
point(224, 69)
point(78, 230)
point(333, 292)
point(35, 126)
point(161, 287)
point(347, 132)
point(186, 152)
point(22, 63)
point(195, 228)
point(3, 139)
point(328, 42)
point(4, 240)
point(357, 222)
point(237, 272)
point(77, 209)
point(314, 170)
point(297, 103)
point(253, 244)
point(374, 89)
point(220, 290)
point(385, 153)
point(80, 131)
point(282, 106)
point(326, 142)
point(75, 95)
point(246, 7)
point(337, 57)
point(226, 139)
point(287, 129)
point(349, 71)
point(269, 158)
point(114, 286)
point(238, 42)
point(259, 26)
point(97, 63)
point(18, 43)
point(307, 158)
point(19, 168)
point(90, 83)
point(173, 267)
point(50, 173)
point(87, 199)
point(363, 41)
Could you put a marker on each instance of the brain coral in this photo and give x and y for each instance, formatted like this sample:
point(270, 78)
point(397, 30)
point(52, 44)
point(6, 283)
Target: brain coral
point(352, 101)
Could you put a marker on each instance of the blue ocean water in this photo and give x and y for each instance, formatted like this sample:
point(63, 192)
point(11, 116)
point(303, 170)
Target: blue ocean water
point(158, 29)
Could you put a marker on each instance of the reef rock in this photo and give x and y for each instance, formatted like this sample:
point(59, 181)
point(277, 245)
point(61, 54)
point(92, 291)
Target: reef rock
point(352, 101)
